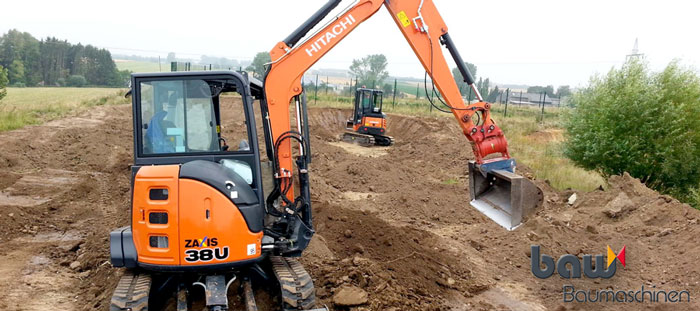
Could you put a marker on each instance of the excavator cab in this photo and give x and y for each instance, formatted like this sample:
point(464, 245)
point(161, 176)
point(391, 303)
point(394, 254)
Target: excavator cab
point(367, 126)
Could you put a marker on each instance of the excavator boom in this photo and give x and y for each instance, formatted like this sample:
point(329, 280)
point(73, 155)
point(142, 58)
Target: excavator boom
point(424, 29)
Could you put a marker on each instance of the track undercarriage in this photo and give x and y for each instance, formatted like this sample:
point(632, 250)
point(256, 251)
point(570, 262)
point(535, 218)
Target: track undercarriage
point(142, 291)
point(367, 140)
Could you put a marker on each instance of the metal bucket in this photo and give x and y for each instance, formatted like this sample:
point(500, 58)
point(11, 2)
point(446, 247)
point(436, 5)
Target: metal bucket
point(503, 196)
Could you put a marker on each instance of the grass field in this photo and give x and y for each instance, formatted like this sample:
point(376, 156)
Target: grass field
point(27, 106)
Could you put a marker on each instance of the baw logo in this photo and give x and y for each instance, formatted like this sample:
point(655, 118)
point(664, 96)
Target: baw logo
point(601, 270)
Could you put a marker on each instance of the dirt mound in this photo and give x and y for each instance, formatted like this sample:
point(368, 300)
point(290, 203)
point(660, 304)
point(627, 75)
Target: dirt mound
point(401, 266)
point(396, 225)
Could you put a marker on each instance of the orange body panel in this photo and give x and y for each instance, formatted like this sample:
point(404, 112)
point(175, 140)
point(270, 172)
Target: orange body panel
point(224, 227)
point(371, 122)
point(203, 224)
point(156, 177)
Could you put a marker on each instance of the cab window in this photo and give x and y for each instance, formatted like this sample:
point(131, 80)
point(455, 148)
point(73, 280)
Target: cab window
point(181, 116)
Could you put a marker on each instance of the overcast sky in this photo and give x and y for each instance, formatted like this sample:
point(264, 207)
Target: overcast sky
point(511, 41)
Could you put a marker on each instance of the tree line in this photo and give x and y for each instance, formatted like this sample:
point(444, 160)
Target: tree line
point(53, 62)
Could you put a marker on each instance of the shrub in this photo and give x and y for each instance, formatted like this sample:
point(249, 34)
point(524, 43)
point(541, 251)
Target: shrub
point(76, 81)
point(643, 123)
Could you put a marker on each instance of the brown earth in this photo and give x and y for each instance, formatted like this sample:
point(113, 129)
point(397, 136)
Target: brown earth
point(395, 222)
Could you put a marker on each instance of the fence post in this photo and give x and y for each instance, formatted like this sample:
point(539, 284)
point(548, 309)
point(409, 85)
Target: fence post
point(544, 98)
point(327, 81)
point(393, 102)
point(505, 112)
point(521, 99)
point(316, 91)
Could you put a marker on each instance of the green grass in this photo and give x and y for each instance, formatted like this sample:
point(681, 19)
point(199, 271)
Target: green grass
point(138, 66)
point(29, 106)
point(533, 142)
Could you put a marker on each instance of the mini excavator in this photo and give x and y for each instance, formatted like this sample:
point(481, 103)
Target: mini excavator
point(200, 218)
point(367, 125)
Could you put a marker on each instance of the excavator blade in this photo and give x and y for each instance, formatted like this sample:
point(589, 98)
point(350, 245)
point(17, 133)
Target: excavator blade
point(503, 196)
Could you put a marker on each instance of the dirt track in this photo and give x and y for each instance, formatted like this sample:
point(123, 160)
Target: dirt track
point(389, 220)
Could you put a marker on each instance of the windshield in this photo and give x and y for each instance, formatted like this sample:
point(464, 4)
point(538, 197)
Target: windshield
point(180, 116)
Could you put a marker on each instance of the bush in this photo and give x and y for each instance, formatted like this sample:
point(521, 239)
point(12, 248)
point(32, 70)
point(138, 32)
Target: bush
point(19, 84)
point(643, 123)
point(76, 81)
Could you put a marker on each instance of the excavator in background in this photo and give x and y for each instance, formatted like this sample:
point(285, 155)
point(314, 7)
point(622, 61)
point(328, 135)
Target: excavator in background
point(367, 125)
point(200, 218)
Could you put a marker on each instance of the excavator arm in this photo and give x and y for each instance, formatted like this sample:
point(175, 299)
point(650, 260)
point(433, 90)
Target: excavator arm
point(425, 30)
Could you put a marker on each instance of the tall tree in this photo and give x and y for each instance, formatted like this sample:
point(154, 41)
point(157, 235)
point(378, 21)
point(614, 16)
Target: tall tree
point(3, 82)
point(370, 70)
point(460, 80)
point(493, 95)
point(258, 65)
point(563, 91)
point(539, 89)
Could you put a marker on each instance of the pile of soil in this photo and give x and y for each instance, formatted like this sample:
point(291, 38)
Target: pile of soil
point(392, 223)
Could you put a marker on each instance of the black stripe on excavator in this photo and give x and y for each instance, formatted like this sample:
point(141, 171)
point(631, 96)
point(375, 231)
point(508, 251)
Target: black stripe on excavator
point(463, 69)
point(309, 24)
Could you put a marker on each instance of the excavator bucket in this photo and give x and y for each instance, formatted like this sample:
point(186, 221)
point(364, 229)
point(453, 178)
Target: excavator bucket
point(503, 196)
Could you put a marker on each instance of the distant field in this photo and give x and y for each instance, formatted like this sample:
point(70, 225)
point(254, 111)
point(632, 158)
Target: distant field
point(27, 106)
point(137, 66)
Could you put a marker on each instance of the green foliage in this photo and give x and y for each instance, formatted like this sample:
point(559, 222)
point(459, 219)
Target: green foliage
point(463, 87)
point(483, 87)
point(643, 123)
point(3, 82)
point(563, 91)
point(388, 89)
point(493, 95)
point(539, 89)
point(370, 71)
point(258, 65)
point(76, 81)
point(33, 62)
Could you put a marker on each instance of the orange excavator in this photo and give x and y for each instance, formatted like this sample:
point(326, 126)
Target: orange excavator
point(202, 217)
point(367, 125)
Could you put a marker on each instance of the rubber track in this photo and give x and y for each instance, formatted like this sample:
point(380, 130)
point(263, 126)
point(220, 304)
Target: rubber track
point(360, 139)
point(131, 292)
point(382, 141)
point(297, 287)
